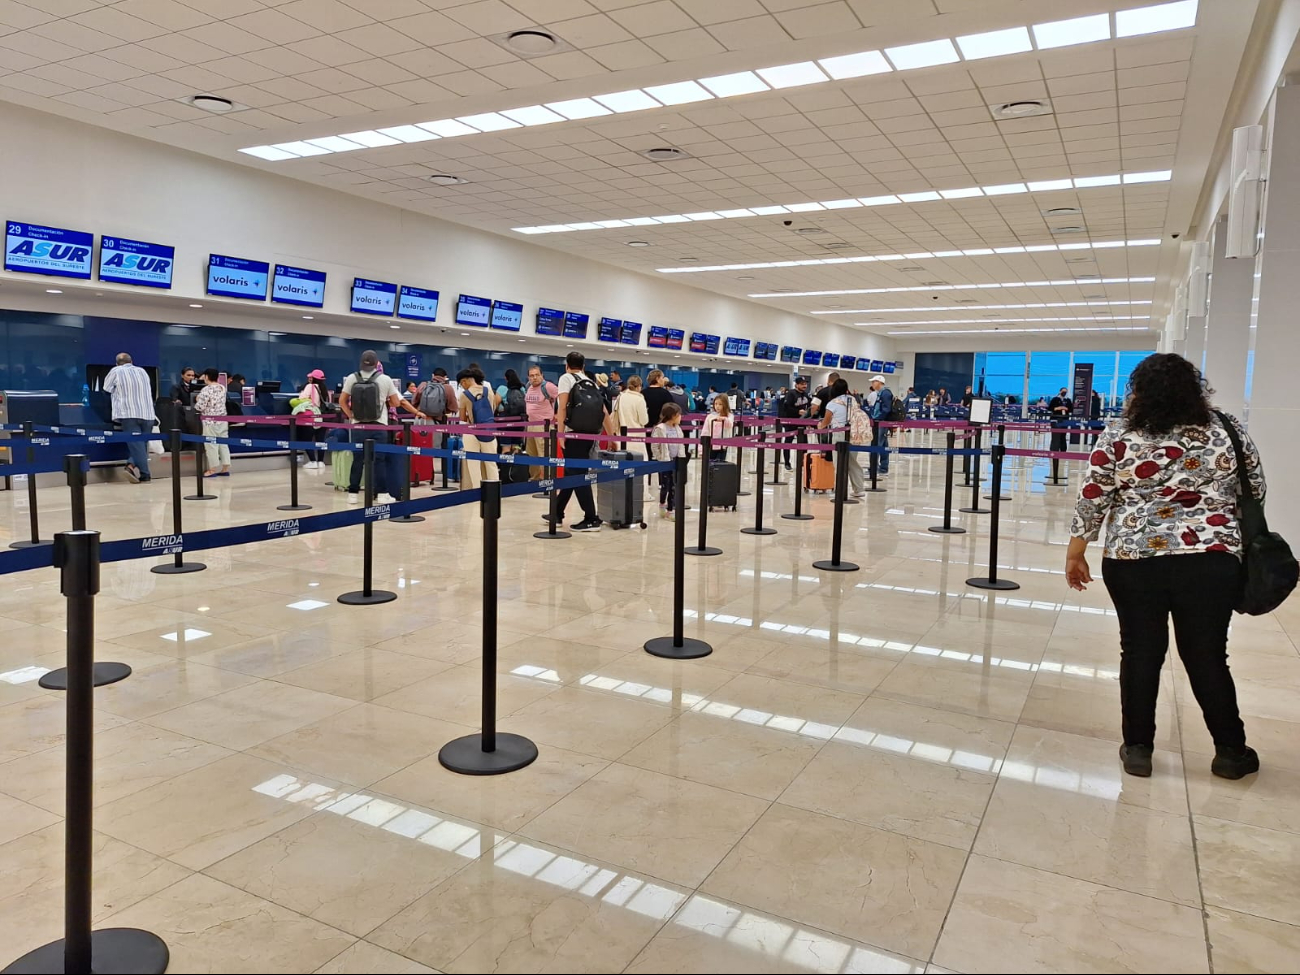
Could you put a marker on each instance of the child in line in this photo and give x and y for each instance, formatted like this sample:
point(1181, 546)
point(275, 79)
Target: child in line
point(719, 425)
point(669, 427)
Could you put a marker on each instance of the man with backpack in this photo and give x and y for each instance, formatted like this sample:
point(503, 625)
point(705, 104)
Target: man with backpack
point(886, 407)
point(539, 402)
point(366, 398)
point(581, 410)
point(436, 398)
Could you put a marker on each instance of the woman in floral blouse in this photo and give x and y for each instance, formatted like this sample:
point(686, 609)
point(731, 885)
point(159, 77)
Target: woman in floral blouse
point(1166, 476)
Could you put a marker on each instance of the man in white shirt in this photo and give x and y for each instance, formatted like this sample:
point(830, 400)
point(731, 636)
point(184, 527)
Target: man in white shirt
point(376, 393)
point(132, 395)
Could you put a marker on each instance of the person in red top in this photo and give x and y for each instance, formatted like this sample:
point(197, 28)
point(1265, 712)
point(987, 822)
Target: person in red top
point(539, 400)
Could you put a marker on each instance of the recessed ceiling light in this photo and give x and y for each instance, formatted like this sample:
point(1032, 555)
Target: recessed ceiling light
point(688, 260)
point(523, 340)
point(446, 179)
point(53, 291)
point(408, 133)
point(448, 128)
point(1072, 229)
point(665, 154)
point(335, 143)
point(961, 194)
point(532, 41)
point(1047, 185)
point(855, 65)
point(464, 333)
point(493, 121)
point(633, 100)
point(1085, 181)
point(1076, 30)
point(1024, 108)
point(300, 149)
point(921, 197)
point(308, 318)
point(878, 201)
point(793, 75)
point(994, 43)
point(1151, 20)
point(394, 326)
point(745, 277)
point(576, 108)
point(370, 138)
point(922, 55)
point(740, 83)
point(212, 103)
point(195, 306)
point(1060, 211)
point(678, 93)
point(809, 230)
point(638, 243)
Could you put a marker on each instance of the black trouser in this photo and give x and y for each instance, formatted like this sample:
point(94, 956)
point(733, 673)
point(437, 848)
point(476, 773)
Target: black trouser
point(578, 450)
point(667, 487)
point(1199, 592)
point(799, 437)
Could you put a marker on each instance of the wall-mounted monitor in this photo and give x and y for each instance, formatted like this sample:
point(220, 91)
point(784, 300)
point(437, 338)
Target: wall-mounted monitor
point(236, 277)
point(735, 346)
point(831, 361)
point(373, 297)
point(711, 344)
point(981, 409)
point(790, 353)
point(676, 338)
point(127, 261)
point(472, 310)
point(848, 362)
point(33, 249)
point(658, 337)
point(876, 365)
point(298, 286)
point(506, 316)
point(811, 357)
point(889, 368)
point(575, 325)
point(611, 330)
point(417, 303)
point(550, 321)
point(631, 334)
point(766, 351)
point(699, 341)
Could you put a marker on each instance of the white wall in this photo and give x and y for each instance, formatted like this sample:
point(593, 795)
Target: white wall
point(67, 174)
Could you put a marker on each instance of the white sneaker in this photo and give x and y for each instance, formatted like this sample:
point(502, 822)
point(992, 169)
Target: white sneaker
point(385, 499)
point(354, 499)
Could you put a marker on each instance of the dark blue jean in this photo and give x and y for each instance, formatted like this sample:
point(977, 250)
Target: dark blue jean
point(389, 467)
point(138, 450)
point(882, 440)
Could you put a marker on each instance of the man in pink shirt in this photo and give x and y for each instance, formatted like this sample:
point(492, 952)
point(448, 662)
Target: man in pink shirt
point(539, 398)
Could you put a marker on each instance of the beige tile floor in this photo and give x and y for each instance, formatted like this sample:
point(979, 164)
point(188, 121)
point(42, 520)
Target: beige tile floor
point(880, 771)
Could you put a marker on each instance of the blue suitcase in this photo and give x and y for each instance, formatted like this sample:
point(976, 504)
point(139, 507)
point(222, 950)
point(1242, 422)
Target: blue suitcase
point(454, 443)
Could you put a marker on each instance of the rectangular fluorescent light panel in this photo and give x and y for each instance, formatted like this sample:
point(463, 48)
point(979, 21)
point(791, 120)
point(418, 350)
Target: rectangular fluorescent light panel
point(408, 133)
point(1044, 185)
point(575, 108)
point(768, 211)
point(301, 149)
point(961, 194)
point(803, 207)
point(740, 83)
point(841, 204)
point(1005, 188)
point(532, 115)
point(855, 65)
point(671, 218)
point(878, 201)
point(703, 215)
point(1162, 176)
point(1077, 30)
point(370, 138)
point(447, 128)
point(488, 122)
point(634, 100)
point(922, 55)
point(1082, 182)
point(919, 197)
point(269, 153)
point(336, 143)
point(732, 214)
point(679, 93)
point(1152, 20)
point(994, 43)
point(793, 75)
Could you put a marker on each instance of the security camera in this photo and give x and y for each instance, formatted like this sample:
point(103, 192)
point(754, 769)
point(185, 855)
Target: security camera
point(443, 331)
point(787, 223)
point(934, 297)
point(1174, 236)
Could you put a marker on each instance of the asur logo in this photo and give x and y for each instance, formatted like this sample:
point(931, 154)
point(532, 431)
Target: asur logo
point(69, 253)
point(138, 262)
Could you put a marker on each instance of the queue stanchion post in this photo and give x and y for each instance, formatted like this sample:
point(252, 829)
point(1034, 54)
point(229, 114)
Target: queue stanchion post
point(835, 563)
point(740, 459)
point(293, 504)
point(200, 493)
point(776, 468)
point(489, 752)
point(947, 527)
point(702, 546)
point(991, 581)
point(801, 481)
point(974, 507)
point(679, 646)
point(368, 595)
point(758, 528)
point(76, 489)
point(1002, 442)
point(407, 519)
point(873, 467)
point(553, 529)
point(82, 949)
point(758, 452)
point(636, 518)
point(549, 434)
point(32, 516)
point(446, 462)
point(178, 565)
point(965, 465)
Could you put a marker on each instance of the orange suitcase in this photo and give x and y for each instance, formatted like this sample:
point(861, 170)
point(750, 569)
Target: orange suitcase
point(820, 471)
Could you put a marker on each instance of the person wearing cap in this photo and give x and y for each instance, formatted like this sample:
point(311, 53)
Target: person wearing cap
point(311, 401)
point(793, 405)
point(389, 471)
point(880, 410)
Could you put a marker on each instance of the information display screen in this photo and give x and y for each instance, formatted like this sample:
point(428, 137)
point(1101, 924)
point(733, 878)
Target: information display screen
point(472, 310)
point(33, 249)
point(611, 330)
point(298, 286)
point(631, 333)
point(981, 409)
point(877, 365)
point(417, 303)
point(550, 321)
point(236, 277)
point(136, 262)
point(830, 360)
point(373, 297)
point(711, 344)
point(790, 353)
point(812, 357)
point(698, 341)
point(889, 368)
point(575, 325)
point(658, 337)
point(735, 346)
point(506, 316)
point(766, 350)
point(848, 362)
point(676, 337)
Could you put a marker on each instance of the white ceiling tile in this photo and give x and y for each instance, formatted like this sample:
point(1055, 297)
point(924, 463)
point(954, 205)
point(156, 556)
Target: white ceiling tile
point(488, 17)
point(657, 17)
point(388, 9)
point(591, 31)
point(330, 16)
point(625, 54)
point(382, 99)
point(740, 35)
point(516, 74)
point(419, 91)
point(818, 21)
point(685, 44)
point(42, 48)
point(165, 13)
point(464, 83)
point(379, 39)
point(569, 65)
point(289, 60)
point(274, 26)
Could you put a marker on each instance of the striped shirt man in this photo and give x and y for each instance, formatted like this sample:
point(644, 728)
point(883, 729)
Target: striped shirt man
point(131, 391)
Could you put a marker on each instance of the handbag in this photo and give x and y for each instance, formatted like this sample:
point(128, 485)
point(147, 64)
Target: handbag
point(1269, 570)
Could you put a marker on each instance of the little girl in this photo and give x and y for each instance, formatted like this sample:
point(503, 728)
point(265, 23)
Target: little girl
point(719, 425)
point(670, 427)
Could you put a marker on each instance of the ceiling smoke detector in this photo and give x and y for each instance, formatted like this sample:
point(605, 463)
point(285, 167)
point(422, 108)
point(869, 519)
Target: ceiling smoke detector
point(1060, 211)
point(908, 267)
point(688, 260)
point(809, 230)
point(446, 179)
point(663, 154)
point(531, 42)
point(1070, 229)
point(837, 245)
point(212, 103)
point(930, 284)
point(1026, 108)
point(638, 243)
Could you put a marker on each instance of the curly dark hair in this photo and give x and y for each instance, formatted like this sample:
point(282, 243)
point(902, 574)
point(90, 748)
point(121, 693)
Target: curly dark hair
point(1166, 391)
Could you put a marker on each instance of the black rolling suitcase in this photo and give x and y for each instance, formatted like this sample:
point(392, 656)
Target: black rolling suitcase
point(620, 502)
point(724, 484)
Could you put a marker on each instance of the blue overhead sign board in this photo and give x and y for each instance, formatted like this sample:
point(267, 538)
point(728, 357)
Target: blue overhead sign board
point(472, 310)
point(298, 286)
point(417, 303)
point(33, 249)
point(136, 262)
point(373, 297)
point(507, 315)
point(631, 334)
point(235, 277)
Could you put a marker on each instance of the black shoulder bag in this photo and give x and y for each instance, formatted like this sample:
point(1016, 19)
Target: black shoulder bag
point(1269, 570)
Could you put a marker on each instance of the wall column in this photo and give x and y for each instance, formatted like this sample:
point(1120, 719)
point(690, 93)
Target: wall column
point(1227, 334)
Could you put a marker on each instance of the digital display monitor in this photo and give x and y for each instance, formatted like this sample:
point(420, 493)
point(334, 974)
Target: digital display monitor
point(417, 303)
point(766, 350)
point(472, 310)
point(631, 333)
point(699, 341)
point(711, 344)
point(611, 330)
point(658, 337)
point(812, 357)
point(981, 409)
point(790, 353)
point(876, 365)
point(506, 316)
point(676, 338)
point(373, 297)
point(848, 362)
point(298, 286)
point(236, 277)
point(127, 261)
point(889, 368)
point(735, 346)
point(33, 249)
point(550, 321)
point(830, 360)
point(575, 325)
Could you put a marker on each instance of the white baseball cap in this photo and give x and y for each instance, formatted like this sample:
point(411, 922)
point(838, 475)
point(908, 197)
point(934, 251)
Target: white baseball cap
point(877, 379)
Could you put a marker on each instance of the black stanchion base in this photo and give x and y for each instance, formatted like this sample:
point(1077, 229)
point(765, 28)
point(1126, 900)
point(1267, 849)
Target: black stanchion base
point(105, 673)
point(466, 755)
point(540, 495)
point(940, 530)
point(28, 544)
point(663, 646)
point(982, 582)
point(359, 598)
point(447, 488)
point(706, 550)
point(826, 565)
point(777, 483)
point(113, 951)
point(853, 500)
point(549, 534)
point(797, 517)
point(976, 511)
point(873, 490)
point(172, 569)
point(406, 519)
point(744, 494)
point(293, 507)
point(1050, 483)
point(758, 531)
point(1003, 497)
point(200, 497)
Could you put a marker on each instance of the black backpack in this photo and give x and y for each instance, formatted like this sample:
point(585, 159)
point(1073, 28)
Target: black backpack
point(513, 404)
point(586, 409)
point(367, 404)
point(898, 410)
